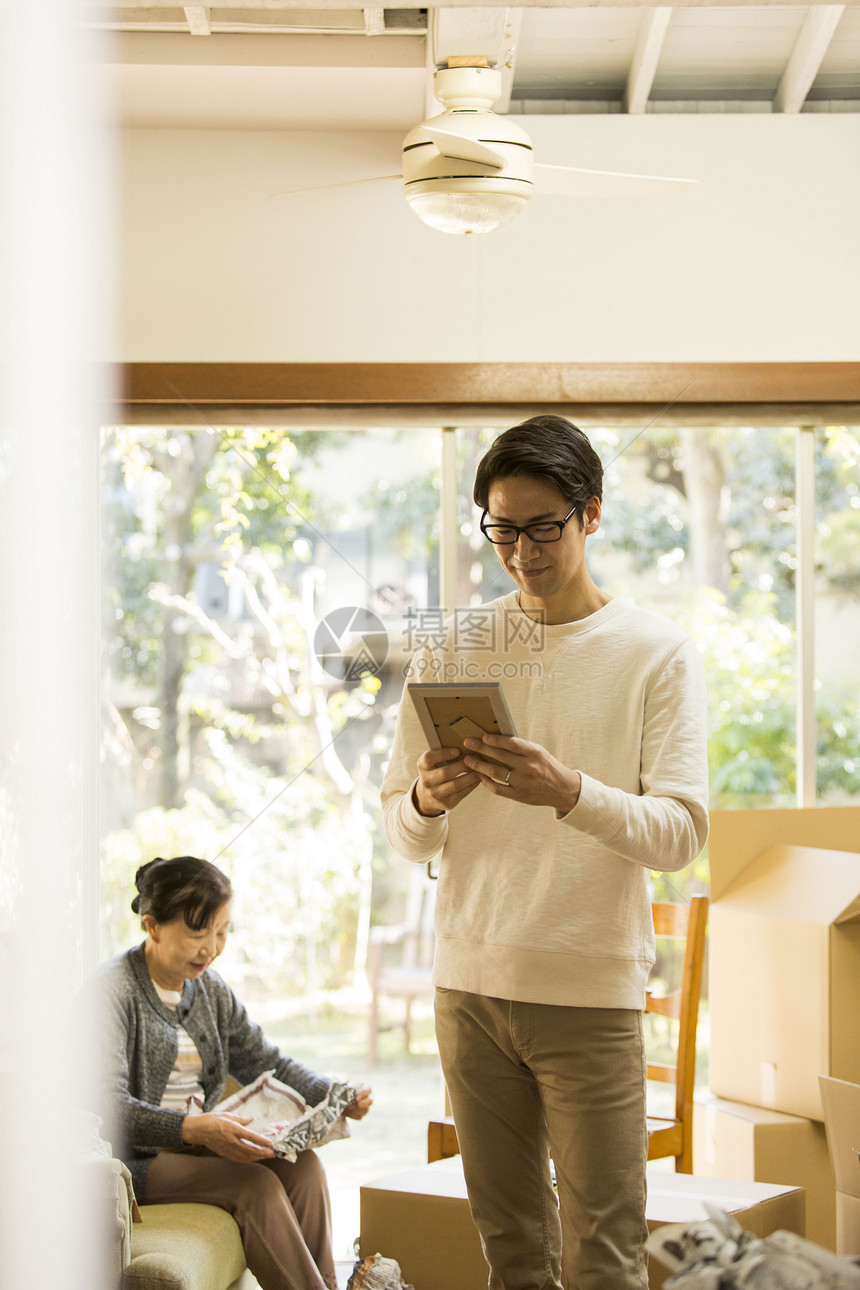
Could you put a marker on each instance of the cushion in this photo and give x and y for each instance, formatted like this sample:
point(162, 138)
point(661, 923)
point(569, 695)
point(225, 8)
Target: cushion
point(184, 1247)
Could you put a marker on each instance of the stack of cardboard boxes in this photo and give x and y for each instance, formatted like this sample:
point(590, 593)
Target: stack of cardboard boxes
point(785, 1008)
point(421, 1218)
point(784, 994)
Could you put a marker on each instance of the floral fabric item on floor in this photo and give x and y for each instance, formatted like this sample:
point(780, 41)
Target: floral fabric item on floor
point(716, 1254)
point(377, 1273)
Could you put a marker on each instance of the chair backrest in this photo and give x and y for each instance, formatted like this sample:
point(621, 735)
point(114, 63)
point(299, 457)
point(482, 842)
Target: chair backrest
point(685, 923)
point(419, 941)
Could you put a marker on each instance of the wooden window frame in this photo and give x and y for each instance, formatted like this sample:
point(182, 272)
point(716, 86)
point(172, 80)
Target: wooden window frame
point(486, 393)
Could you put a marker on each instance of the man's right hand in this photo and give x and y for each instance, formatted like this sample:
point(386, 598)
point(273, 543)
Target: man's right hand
point(227, 1136)
point(440, 786)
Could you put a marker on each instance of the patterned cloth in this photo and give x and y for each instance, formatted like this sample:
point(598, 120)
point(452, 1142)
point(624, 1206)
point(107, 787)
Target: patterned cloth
point(280, 1113)
point(376, 1273)
point(717, 1254)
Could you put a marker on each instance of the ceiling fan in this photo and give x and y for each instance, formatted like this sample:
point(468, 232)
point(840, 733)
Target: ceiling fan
point(469, 170)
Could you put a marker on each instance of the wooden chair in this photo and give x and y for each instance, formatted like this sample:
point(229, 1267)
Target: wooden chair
point(667, 1136)
point(400, 961)
point(673, 1135)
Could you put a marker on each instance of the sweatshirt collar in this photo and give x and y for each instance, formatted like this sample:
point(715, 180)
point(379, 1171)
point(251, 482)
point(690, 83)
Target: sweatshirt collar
point(556, 631)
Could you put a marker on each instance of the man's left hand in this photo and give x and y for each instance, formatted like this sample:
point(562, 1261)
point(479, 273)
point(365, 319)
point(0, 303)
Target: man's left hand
point(533, 776)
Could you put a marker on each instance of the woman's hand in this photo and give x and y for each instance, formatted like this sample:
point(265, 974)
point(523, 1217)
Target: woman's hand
point(358, 1109)
point(227, 1136)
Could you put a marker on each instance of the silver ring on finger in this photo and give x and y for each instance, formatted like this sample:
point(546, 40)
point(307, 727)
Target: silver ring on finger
point(507, 778)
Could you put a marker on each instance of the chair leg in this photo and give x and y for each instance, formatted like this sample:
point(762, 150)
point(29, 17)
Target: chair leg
point(407, 1024)
point(434, 1141)
point(373, 1034)
point(684, 1161)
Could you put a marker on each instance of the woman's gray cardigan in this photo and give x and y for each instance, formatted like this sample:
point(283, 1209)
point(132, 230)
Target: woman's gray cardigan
point(138, 1032)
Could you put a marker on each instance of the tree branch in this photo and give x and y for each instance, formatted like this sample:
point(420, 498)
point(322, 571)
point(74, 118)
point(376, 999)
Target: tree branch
point(158, 592)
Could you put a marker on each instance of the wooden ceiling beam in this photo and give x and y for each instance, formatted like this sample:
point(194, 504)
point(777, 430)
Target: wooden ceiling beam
point(468, 30)
point(197, 17)
point(653, 26)
point(374, 21)
point(809, 49)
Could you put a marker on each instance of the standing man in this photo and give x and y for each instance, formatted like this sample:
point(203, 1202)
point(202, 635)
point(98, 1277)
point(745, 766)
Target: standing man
point(543, 922)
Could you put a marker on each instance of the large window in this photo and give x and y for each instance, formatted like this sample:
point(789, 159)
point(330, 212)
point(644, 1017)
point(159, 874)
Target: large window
point(249, 568)
point(261, 588)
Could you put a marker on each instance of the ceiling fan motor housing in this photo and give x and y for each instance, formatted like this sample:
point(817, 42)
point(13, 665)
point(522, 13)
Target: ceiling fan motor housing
point(468, 94)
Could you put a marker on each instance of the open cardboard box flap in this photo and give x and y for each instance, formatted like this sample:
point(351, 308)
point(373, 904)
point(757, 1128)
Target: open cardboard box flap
point(737, 837)
point(799, 884)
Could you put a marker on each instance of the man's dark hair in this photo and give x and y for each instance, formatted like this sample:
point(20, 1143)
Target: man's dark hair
point(547, 448)
point(183, 887)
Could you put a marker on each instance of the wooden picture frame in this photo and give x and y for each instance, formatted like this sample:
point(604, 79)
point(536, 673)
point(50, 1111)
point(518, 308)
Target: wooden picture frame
point(476, 707)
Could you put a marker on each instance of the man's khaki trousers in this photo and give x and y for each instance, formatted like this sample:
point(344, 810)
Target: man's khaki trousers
point(526, 1080)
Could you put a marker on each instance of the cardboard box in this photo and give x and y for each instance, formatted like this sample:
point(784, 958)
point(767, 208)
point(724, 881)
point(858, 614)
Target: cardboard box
point(734, 1140)
point(737, 837)
point(421, 1218)
point(842, 1117)
point(785, 978)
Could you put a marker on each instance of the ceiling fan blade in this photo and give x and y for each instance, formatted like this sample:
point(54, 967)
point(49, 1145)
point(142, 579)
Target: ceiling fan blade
point(455, 145)
point(572, 181)
point(346, 183)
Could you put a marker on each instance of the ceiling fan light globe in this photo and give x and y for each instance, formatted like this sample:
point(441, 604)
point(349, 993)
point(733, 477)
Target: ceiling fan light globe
point(466, 213)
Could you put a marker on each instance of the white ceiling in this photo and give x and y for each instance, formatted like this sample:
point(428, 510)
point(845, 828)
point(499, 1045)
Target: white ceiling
point(272, 65)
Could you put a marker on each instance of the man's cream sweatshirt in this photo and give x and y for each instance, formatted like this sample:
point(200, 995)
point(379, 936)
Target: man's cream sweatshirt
point(542, 908)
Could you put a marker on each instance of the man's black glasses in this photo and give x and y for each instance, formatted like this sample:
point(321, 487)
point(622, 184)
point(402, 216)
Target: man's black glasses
point(542, 531)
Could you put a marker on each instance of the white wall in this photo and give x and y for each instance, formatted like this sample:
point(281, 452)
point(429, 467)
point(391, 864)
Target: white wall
point(55, 237)
point(760, 262)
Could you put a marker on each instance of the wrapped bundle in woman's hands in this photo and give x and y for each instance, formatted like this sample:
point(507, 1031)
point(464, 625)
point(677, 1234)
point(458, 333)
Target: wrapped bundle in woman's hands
point(281, 1114)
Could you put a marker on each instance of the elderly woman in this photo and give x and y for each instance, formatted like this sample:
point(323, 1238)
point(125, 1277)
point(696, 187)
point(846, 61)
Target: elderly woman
point(174, 1028)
